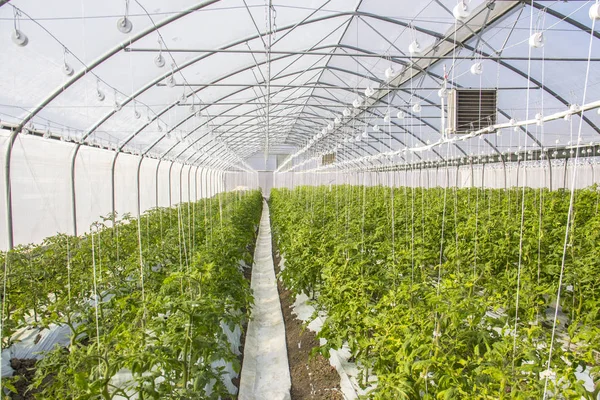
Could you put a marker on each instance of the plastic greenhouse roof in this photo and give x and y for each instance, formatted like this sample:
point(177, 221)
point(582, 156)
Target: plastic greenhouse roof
point(242, 77)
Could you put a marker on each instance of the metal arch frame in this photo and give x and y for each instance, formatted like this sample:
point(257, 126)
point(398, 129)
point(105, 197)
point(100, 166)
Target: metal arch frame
point(167, 21)
point(209, 54)
point(177, 16)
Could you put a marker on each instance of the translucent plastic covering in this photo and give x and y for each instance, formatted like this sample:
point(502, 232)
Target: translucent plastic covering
point(218, 82)
point(241, 77)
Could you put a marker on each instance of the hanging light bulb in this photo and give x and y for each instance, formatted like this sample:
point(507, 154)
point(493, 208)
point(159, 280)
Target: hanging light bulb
point(376, 128)
point(337, 121)
point(443, 92)
point(324, 131)
point(390, 72)
point(357, 138)
point(477, 68)
point(330, 127)
point(117, 105)
point(387, 118)
point(414, 48)
point(369, 91)
point(346, 112)
point(66, 69)
point(19, 38)
point(124, 25)
point(461, 11)
point(99, 95)
point(400, 115)
point(357, 103)
point(365, 134)
point(537, 40)
point(416, 108)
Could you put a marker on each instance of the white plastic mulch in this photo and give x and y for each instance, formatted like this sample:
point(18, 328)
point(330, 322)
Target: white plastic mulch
point(265, 371)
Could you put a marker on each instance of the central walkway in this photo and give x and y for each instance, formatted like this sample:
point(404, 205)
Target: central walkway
point(265, 372)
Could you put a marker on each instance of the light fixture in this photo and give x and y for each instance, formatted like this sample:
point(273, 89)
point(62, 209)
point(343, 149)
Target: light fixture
point(390, 73)
point(357, 103)
point(461, 11)
point(416, 108)
point(387, 118)
point(346, 112)
point(414, 48)
point(18, 37)
point(330, 127)
point(324, 131)
point(400, 115)
point(376, 128)
point(443, 92)
point(67, 69)
point(594, 12)
point(537, 40)
point(477, 68)
point(369, 91)
point(365, 134)
point(99, 95)
point(117, 105)
point(337, 121)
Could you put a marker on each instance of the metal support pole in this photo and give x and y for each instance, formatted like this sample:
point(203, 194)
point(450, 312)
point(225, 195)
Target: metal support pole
point(112, 188)
point(196, 184)
point(549, 173)
point(8, 193)
point(73, 196)
point(170, 197)
point(181, 184)
point(189, 197)
point(156, 183)
point(138, 189)
point(565, 173)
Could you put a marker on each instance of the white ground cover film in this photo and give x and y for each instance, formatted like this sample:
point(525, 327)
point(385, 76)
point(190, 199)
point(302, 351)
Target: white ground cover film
point(265, 371)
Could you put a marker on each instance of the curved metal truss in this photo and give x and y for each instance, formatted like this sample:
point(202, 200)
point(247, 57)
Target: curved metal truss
point(271, 86)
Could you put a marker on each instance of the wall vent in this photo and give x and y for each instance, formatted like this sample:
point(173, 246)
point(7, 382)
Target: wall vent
point(328, 159)
point(471, 109)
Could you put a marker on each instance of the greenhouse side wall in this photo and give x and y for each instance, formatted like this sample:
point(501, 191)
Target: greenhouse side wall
point(41, 190)
point(534, 174)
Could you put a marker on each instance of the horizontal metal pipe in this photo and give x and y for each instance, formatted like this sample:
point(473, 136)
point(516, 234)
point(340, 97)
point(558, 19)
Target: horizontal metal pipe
point(367, 55)
point(317, 86)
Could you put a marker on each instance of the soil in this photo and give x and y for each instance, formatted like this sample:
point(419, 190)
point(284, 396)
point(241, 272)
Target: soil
point(25, 371)
point(312, 376)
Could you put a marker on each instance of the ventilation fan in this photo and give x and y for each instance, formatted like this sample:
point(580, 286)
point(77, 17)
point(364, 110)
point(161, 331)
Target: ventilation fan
point(471, 109)
point(327, 159)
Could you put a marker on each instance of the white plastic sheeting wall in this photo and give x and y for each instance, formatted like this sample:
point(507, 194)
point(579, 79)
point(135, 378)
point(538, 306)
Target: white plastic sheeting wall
point(533, 174)
point(40, 175)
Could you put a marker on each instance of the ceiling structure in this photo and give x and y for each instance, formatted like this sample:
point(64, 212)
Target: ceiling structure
point(216, 82)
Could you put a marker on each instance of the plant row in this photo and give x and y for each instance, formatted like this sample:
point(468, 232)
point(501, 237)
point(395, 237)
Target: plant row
point(150, 299)
point(451, 293)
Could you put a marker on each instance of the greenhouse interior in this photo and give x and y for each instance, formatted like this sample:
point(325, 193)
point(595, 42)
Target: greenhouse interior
point(289, 200)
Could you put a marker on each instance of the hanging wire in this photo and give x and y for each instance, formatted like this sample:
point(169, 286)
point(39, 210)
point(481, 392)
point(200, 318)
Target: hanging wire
point(569, 214)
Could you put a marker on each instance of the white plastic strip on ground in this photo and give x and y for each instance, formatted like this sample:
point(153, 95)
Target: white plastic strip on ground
point(265, 372)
